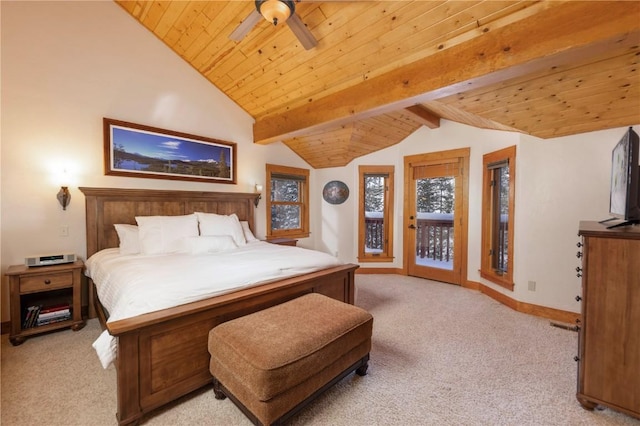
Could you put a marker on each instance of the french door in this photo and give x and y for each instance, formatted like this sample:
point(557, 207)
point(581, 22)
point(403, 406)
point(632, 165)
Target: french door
point(436, 200)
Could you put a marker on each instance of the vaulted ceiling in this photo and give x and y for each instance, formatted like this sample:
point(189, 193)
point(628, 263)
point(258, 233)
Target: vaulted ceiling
point(382, 69)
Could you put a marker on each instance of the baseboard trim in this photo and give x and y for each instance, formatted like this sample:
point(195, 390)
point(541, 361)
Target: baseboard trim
point(527, 308)
point(394, 271)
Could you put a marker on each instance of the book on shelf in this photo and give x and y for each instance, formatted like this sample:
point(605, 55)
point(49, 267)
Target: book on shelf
point(32, 312)
point(55, 308)
point(54, 314)
point(46, 321)
point(34, 316)
point(27, 315)
point(38, 315)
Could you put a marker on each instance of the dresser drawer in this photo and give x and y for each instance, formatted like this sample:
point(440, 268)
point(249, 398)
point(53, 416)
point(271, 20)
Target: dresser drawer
point(34, 283)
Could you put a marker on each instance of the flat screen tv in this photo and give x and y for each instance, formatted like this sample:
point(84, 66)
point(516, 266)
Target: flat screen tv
point(624, 202)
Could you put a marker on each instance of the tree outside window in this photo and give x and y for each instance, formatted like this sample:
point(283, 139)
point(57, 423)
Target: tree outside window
point(287, 205)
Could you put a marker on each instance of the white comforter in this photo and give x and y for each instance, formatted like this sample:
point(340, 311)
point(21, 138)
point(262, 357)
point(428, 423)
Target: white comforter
point(130, 285)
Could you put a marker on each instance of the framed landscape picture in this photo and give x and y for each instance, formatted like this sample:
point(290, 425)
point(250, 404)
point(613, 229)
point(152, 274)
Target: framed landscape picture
point(135, 150)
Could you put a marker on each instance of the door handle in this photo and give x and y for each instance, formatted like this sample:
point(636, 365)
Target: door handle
point(412, 226)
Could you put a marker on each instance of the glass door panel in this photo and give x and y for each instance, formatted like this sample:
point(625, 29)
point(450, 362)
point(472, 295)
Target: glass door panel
point(435, 202)
point(374, 214)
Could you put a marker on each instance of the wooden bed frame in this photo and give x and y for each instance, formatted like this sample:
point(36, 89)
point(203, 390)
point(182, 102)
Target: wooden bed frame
point(163, 355)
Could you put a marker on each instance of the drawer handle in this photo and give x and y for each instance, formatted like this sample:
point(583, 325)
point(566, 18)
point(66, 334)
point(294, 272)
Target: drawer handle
point(47, 281)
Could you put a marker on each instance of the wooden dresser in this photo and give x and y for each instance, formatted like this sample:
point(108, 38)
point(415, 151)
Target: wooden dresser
point(609, 339)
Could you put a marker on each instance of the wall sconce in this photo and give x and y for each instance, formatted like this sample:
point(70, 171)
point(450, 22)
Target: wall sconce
point(64, 196)
point(258, 190)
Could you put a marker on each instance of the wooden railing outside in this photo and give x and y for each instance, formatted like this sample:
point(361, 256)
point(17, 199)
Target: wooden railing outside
point(502, 241)
point(434, 238)
point(374, 234)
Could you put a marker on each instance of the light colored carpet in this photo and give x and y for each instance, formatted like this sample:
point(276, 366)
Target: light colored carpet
point(442, 355)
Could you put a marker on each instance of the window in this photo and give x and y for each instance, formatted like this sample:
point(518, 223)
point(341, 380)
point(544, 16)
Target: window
point(288, 203)
point(498, 206)
point(375, 236)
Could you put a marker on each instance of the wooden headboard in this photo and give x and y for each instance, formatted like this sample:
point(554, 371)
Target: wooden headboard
point(108, 206)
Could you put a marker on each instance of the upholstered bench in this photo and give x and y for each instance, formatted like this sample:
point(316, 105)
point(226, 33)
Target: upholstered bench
point(273, 362)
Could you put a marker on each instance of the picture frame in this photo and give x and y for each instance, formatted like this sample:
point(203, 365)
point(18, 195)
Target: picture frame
point(136, 150)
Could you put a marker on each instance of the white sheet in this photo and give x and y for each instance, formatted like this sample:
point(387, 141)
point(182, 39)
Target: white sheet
point(130, 285)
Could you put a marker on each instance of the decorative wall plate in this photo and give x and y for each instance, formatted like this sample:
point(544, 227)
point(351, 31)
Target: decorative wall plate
point(335, 192)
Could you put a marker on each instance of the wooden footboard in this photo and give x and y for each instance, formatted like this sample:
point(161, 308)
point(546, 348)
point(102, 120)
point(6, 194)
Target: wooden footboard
point(163, 356)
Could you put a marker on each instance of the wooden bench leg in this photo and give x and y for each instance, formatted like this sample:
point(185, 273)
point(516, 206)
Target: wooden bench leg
point(217, 389)
point(362, 370)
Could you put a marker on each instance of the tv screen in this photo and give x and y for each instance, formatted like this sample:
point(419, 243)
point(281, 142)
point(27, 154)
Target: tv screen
point(625, 175)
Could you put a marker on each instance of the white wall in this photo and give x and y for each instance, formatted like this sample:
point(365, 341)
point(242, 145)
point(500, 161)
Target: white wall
point(559, 182)
point(65, 66)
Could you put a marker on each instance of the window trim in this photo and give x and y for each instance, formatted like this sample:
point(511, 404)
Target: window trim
point(489, 162)
point(387, 254)
point(303, 174)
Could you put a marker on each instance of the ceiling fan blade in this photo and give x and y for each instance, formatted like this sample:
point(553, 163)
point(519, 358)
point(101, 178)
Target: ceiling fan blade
point(245, 26)
point(302, 32)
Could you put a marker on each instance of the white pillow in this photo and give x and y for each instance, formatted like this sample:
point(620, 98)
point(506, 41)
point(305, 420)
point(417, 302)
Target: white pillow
point(210, 244)
point(166, 234)
point(129, 239)
point(248, 235)
point(217, 224)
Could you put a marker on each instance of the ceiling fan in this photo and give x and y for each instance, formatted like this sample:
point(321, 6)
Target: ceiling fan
point(276, 11)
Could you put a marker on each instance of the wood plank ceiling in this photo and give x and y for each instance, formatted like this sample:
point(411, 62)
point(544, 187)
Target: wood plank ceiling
point(382, 69)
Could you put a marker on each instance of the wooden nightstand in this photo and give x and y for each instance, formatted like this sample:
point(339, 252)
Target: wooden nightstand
point(44, 287)
point(283, 241)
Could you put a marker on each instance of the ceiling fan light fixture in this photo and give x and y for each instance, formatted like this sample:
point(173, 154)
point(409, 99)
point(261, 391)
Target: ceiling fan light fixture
point(275, 11)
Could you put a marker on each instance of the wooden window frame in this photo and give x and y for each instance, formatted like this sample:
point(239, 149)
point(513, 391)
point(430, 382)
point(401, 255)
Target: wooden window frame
point(303, 203)
point(387, 253)
point(504, 279)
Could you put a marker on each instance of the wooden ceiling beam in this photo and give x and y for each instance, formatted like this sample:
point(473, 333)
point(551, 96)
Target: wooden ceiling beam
point(499, 54)
point(424, 116)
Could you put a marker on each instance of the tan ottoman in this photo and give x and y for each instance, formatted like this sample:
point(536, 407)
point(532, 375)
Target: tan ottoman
point(273, 362)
